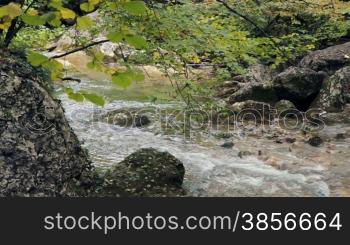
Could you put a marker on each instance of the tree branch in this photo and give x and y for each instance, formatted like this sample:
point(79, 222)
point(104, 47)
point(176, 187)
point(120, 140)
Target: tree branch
point(79, 49)
point(223, 2)
point(71, 79)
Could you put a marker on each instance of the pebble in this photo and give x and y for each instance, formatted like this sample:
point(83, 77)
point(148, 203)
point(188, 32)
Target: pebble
point(228, 145)
point(315, 141)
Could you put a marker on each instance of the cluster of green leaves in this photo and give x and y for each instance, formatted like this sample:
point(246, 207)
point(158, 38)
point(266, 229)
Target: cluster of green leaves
point(36, 38)
point(37, 15)
point(175, 36)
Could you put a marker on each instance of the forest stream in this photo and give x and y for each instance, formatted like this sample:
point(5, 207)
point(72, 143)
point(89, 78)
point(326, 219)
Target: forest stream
point(257, 164)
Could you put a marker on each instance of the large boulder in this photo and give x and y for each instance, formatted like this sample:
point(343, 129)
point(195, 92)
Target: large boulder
point(284, 107)
point(330, 59)
point(257, 73)
point(262, 92)
point(256, 85)
point(147, 172)
point(299, 85)
point(39, 153)
point(335, 92)
point(252, 111)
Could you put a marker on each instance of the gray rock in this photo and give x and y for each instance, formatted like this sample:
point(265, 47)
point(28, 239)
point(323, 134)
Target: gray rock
point(228, 88)
point(227, 145)
point(255, 85)
point(284, 106)
point(126, 118)
point(39, 153)
point(253, 110)
point(257, 73)
point(299, 85)
point(147, 172)
point(254, 91)
point(243, 154)
point(335, 92)
point(315, 141)
point(330, 59)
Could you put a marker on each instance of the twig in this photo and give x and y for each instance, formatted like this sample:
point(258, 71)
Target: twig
point(223, 2)
point(79, 49)
point(71, 79)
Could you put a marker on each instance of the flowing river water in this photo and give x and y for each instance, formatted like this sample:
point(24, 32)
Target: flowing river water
point(255, 166)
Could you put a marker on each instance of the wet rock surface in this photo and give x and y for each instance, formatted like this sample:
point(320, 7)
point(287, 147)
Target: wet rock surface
point(299, 85)
point(320, 80)
point(330, 59)
point(315, 141)
point(126, 118)
point(335, 92)
point(283, 107)
point(39, 153)
point(252, 110)
point(147, 172)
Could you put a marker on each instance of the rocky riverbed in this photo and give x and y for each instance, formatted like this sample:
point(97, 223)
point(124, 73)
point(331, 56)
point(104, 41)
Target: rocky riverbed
point(244, 159)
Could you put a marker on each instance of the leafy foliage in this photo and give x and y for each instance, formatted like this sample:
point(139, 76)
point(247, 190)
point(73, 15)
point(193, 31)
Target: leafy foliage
point(178, 36)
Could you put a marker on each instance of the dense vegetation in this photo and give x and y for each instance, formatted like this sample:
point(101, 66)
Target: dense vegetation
point(226, 35)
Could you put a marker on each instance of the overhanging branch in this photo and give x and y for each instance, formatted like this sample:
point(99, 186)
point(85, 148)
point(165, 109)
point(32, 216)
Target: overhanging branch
point(79, 49)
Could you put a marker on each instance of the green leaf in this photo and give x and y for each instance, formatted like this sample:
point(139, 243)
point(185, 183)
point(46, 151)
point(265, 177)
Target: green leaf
point(33, 20)
point(84, 22)
point(91, 65)
point(89, 6)
point(138, 76)
point(94, 98)
point(68, 90)
point(12, 10)
point(98, 55)
point(123, 80)
point(135, 7)
point(115, 37)
point(36, 59)
point(76, 97)
point(136, 41)
point(57, 4)
point(67, 13)
point(55, 67)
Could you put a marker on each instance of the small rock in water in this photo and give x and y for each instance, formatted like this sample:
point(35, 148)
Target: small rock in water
point(241, 154)
point(227, 145)
point(315, 141)
point(224, 135)
point(290, 140)
point(340, 136)
point(278, 141)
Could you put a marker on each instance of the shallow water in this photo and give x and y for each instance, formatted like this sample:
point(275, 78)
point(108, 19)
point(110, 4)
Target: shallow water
point(210, 169)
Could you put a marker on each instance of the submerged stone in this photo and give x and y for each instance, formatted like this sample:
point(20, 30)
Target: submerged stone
point(126, 118)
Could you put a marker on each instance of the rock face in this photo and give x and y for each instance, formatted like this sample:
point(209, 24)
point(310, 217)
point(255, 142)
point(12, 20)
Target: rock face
point(253, 110)
point(254, 91)
point(126, 118)
point(330, 59)
point(257, 73)
point(284, 107)
point(255, 85)
point(147, 172)
point(335, 92)
point(39, 153)
point(299, 85)
point(321, 79)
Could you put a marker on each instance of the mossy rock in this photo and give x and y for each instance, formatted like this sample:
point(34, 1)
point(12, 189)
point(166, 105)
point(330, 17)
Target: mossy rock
point(147, 172)
point(126, 117)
